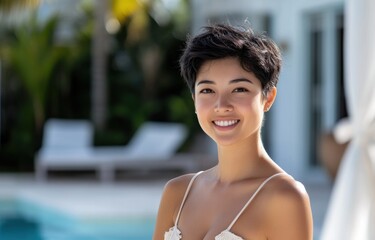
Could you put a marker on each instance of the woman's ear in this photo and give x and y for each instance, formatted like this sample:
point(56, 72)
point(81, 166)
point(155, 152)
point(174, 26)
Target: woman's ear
point(270, 98)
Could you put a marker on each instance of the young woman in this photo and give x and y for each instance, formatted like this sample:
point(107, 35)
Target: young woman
point(232, 74)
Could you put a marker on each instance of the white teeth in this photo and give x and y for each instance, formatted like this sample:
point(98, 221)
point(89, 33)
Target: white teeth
point(226, 123)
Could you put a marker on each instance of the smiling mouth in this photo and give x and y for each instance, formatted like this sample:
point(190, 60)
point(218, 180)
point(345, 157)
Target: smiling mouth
point(225, 123)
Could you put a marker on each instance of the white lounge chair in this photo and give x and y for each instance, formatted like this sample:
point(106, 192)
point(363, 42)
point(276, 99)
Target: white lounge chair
point(153, 146)
point(67, 145)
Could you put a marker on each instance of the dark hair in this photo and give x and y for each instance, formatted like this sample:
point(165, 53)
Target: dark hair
point(257, 53)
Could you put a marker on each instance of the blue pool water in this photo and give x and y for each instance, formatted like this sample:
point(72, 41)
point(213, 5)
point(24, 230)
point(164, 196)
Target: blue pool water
point(18, 228)
point(20, 220)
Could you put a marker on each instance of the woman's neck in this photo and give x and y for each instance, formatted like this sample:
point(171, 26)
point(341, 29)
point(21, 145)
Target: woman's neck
point(241, 161)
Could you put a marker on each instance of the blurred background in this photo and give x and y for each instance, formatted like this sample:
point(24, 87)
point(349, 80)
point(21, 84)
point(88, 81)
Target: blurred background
point(115, 63)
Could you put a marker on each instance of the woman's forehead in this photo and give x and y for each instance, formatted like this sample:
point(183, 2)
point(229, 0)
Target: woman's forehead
point(224, 70)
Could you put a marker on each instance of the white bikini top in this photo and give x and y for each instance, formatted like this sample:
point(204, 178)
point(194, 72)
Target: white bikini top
point(175, 234)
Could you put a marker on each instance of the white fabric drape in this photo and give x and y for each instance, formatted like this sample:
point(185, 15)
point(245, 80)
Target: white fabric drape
point(351, 210)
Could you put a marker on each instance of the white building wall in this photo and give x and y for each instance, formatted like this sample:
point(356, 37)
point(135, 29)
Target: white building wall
point(288, 121)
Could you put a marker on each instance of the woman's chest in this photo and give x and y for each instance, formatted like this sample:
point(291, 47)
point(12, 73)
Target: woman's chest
point(205, 218)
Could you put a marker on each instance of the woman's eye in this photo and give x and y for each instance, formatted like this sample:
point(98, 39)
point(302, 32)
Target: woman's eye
point(240, 90)
point(206, 90)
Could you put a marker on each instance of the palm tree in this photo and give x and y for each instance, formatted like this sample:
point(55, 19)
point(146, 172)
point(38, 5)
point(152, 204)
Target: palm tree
point(6, 6)
point(121, 10)
point(33, 56)
point(99, 65)
point(98, 89)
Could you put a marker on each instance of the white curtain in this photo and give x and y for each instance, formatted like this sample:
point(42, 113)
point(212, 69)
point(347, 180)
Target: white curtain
point(351, 211)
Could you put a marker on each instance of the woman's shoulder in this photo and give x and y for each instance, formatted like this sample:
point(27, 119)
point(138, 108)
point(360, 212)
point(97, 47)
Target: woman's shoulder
point(287, 190)
point(285, 186)
point(173, 193)
point(174, 189)
point(288, 203)
point(178, 185)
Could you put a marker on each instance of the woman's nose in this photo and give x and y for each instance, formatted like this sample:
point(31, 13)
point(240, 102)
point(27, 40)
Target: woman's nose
point(223, 105)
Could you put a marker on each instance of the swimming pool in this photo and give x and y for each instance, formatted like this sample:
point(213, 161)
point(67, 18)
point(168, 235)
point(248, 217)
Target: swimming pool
point(23, 220)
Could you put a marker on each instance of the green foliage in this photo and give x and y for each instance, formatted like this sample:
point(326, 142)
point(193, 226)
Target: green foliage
point(33, 57)
point(32, 62)
point(143, 83)
point(144, 79)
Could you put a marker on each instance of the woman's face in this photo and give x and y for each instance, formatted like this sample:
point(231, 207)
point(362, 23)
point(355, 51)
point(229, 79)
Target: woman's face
point(229, 102)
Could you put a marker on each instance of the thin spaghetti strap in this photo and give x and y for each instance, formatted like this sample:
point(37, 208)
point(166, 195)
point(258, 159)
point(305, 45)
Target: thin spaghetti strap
point(185, 196)
point(251, 199)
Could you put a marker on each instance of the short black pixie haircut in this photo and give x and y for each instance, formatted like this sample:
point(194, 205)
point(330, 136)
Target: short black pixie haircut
point(256, 53)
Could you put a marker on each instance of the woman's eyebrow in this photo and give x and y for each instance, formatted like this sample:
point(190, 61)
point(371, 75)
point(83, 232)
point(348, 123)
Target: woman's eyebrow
point(205, 82)
point(237, 80)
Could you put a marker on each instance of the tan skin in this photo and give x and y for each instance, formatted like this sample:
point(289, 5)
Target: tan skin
point(224, 91)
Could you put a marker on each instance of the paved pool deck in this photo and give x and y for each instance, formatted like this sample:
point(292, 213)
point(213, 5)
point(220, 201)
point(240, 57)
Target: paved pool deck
point(137, 197)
